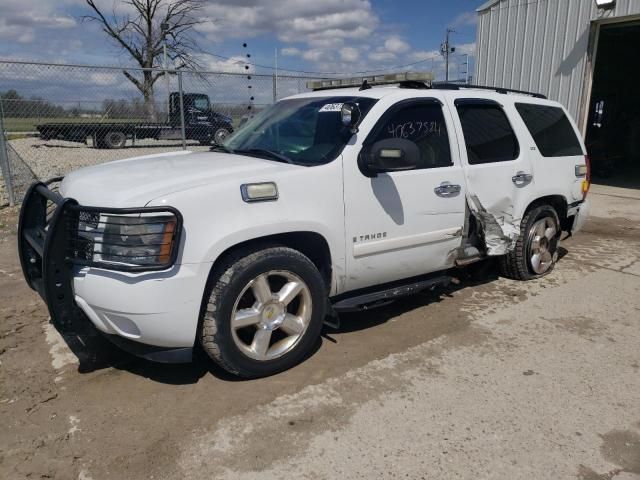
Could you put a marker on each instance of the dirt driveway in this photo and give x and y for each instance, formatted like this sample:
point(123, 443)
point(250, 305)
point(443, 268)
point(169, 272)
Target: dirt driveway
point(490, 379)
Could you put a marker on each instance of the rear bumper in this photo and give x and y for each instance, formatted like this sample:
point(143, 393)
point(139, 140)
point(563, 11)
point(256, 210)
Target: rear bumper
point(152, 314)
point(579, 212)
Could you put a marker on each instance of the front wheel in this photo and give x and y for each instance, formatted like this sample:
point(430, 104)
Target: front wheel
point(264, 312)
point(535, 252)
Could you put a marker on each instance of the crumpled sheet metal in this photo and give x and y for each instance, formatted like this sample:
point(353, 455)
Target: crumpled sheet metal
point(500, 230)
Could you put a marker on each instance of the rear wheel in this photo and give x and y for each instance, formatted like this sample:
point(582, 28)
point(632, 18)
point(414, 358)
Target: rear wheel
point(535, 252)
point(47, 135)
point(264, 312)
point(113, 139)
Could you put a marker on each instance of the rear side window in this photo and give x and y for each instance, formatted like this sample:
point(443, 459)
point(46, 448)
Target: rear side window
point(550, 129)
point(487, 133)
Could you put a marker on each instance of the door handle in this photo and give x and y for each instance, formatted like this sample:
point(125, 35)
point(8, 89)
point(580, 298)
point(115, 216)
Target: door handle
point(447, 189)
point(521, 179)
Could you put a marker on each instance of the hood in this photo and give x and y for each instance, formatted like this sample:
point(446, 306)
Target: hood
point(136, 181)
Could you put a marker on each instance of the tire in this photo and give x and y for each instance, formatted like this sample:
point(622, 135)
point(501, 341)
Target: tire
point(535, 252)
point(267, 335)
point(47, 135)
point(114, 139)
point(220, 135)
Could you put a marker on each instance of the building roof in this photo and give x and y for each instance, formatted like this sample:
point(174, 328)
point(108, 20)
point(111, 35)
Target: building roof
point(487, 5)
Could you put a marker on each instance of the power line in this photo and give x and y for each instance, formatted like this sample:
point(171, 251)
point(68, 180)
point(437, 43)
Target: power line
point(311, 72)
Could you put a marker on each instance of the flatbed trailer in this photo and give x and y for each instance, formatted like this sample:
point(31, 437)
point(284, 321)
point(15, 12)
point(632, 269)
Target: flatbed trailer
point(201, 123)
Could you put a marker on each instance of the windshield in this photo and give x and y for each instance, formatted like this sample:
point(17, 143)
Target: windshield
point(306, 131)
point(201, 103)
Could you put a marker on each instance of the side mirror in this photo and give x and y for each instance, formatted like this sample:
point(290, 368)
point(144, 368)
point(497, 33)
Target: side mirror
point(350, 116)
point(391, 155)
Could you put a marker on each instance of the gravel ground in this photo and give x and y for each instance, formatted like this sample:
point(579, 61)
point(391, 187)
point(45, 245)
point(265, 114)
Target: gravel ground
point(489, 379)
point(52, 158)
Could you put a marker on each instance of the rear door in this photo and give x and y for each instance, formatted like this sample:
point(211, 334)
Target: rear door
point(498, 171)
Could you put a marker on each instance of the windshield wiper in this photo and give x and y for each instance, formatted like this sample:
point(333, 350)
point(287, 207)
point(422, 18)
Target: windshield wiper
point(264, 152)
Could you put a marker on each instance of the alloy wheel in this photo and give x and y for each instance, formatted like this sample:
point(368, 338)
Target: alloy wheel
point(271, 315)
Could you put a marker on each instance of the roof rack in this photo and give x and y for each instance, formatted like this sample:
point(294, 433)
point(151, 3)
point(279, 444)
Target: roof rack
point(458, 86)
point(417, 80)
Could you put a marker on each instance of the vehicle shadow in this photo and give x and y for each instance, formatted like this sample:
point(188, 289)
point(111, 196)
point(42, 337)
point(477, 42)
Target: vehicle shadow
point(95, 352)
point(476, 274)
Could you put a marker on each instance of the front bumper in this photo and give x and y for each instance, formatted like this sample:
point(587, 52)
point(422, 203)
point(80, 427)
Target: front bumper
point(152, 314)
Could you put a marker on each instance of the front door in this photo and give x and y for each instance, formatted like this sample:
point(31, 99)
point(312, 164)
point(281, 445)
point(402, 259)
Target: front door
point(403, 224)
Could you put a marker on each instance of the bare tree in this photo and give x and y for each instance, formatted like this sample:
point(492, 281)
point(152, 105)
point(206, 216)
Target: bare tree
point(143, 34)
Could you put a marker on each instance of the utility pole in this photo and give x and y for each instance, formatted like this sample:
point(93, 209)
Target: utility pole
point(445, 50)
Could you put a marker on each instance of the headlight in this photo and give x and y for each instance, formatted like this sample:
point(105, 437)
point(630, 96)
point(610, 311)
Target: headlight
point(128, 240)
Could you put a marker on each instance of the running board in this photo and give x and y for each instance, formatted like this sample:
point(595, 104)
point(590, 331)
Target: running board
point(378, 298)
point(463, 262)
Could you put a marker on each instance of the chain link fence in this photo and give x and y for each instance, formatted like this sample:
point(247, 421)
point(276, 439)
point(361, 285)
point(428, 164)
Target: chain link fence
point(58, 118)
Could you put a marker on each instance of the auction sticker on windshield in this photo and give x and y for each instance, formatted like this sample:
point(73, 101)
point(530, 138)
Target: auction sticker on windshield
point(331, 107)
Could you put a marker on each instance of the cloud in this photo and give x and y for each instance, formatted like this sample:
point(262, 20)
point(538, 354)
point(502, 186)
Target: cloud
point(22, 20)
point(420, 55)
point(299, 21)
point(465, 19)
point(466, 48)
point(314, 55)
point(236, 64)
point(349, 54)
point(396, 45)
point(382, 56)
point(291, 52)
point(343, 36)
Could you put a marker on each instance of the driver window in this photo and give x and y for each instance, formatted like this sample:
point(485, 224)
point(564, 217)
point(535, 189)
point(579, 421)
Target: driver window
point(423, 124)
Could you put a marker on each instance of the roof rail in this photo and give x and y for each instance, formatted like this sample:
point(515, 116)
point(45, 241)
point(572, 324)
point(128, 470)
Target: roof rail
point(458, 86)
point(417, 80)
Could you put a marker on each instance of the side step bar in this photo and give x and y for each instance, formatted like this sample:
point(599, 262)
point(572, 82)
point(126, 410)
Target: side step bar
point(388, 293)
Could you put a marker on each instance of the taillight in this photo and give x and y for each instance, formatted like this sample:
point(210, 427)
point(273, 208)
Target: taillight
point(586, 183)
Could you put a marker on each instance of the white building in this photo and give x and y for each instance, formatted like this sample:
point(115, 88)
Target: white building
point(583, 53)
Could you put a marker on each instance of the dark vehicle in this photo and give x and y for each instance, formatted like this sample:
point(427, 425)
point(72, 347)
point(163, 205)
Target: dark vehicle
point(201, 123)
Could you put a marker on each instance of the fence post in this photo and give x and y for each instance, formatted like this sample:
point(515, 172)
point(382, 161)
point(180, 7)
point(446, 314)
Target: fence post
point(275, 88)
point(4, 163)
point(184, 137)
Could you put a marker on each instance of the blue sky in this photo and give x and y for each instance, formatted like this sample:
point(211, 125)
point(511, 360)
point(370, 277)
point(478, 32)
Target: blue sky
point(311, 35)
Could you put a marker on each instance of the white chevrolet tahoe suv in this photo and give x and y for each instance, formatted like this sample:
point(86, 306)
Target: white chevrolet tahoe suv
point(334, 200)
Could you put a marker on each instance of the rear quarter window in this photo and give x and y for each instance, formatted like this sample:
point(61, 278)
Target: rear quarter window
point(550, 129)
